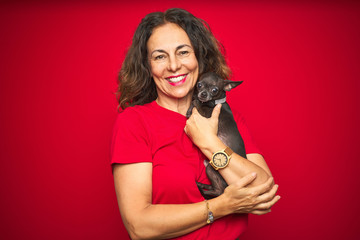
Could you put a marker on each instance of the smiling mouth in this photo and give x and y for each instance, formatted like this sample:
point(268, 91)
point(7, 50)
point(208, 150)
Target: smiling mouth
point(176, 80)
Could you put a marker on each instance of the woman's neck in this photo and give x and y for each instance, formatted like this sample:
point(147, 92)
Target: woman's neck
point(177, 105)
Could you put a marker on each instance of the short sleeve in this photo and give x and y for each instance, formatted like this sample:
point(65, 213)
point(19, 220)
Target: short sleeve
point(130, 140)
point(250, 145)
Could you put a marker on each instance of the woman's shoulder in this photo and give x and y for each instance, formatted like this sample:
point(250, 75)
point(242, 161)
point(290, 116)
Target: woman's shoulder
point(135, 111)
point(133, 120)
point(136, 117)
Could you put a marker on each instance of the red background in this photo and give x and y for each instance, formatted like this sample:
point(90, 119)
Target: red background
point(58, 69)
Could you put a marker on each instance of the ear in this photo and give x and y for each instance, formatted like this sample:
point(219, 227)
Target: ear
point(231, 84)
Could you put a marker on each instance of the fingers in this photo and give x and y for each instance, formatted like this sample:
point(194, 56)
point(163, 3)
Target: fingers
point(256, 200)
point(264, 187)
point(260, 212)
point(266, 197)
point(267, 205)
point(246, 180)
point(216, 111)
point(194, 110)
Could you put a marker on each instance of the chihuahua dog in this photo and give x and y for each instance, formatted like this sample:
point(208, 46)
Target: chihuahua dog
point(211, 90)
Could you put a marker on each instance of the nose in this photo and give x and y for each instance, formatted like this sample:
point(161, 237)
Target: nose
point(174, 64)
point(203, 94)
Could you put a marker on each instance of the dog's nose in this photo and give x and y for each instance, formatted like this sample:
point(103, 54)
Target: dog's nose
point(204, 94)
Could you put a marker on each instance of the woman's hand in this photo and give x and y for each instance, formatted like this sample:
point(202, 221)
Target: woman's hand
point(202, 130)
point(240, 198)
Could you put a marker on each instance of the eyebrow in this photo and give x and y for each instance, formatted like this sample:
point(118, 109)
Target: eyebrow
point(177, 48)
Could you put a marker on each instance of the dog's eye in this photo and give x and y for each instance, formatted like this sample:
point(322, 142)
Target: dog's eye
point(199, 85)
point(214, 90)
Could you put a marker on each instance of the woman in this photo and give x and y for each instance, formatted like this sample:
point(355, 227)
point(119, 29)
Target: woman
point(157, 154)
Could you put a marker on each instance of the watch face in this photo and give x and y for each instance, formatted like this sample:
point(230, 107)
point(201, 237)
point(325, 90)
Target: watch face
point(220, 160)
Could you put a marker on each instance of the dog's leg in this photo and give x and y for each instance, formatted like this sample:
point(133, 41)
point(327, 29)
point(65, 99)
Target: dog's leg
point(204, 186)
point(189, 111)
point(206, 190)
point(217, 186)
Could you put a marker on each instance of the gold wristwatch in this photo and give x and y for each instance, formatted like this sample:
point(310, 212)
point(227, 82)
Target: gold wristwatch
point(221, 158)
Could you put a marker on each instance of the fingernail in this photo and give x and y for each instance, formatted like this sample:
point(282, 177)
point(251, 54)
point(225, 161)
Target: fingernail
point(253, 174)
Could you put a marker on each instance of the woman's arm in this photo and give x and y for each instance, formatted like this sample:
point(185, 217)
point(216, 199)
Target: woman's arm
point(259, 160)
point(144, 220)
point(203, 132)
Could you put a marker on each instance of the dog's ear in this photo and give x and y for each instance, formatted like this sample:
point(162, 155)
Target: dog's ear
point(231, 84)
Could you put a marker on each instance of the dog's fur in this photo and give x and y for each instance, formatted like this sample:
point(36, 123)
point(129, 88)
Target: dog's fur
point(209, 88)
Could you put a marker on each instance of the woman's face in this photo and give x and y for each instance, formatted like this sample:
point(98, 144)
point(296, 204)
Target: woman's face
point(173, 63)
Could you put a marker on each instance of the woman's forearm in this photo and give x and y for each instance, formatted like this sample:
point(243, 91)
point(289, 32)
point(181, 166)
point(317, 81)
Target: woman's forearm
point(238, 166)
point(161, 221)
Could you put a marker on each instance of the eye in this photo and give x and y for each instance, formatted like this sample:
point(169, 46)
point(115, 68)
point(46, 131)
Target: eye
point(160, 57)
point(214, 90)
point(199, 85)
point(183, 53)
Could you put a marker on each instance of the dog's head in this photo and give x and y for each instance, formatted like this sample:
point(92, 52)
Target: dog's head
point(212, 87)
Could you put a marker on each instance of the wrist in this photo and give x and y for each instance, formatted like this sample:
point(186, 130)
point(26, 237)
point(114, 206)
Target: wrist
point(212, 147)
point(218, 207)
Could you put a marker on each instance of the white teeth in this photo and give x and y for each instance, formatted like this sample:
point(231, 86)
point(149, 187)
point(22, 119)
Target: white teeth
point(176, 79)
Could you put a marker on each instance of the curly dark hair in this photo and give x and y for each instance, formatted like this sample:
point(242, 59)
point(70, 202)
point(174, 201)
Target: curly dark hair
point(136, 86)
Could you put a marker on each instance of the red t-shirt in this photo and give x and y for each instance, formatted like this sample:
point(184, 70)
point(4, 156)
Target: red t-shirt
point(151, 133)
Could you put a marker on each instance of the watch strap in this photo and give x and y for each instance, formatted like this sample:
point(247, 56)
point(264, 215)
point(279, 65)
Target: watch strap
point(228, 151)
